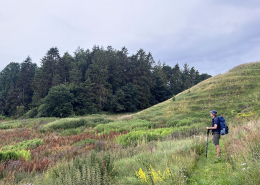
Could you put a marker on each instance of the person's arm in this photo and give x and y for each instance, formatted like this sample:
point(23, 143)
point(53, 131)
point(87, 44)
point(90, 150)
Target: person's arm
point(212, 128)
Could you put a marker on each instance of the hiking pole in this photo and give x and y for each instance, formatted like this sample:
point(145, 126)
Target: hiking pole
point(207, 144)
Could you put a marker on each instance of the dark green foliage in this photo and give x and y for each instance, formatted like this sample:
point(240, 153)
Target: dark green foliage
point(57, 103)
point(97, 80)
point(47, 75)
point(141, 76)
point(99, 74)
point(25, 81)
point(75, 75)
point(160, 92)
point(84, 98)
point(125, 99)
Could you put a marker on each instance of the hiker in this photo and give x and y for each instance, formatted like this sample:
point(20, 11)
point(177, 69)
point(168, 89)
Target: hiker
point(215, 131)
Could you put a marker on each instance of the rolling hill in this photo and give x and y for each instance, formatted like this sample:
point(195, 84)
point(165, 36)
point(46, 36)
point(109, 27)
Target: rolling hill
point(164, 144)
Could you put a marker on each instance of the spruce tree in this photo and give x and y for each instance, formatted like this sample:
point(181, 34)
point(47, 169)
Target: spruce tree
point(25, 81)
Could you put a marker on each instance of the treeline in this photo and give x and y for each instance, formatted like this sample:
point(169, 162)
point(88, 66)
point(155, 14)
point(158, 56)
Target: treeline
point(90, 81)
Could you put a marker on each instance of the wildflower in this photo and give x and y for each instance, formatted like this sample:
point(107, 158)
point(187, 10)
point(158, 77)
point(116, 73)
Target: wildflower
point(243, 164)
point(243, 169)
point(248, 167)
point(141, 176)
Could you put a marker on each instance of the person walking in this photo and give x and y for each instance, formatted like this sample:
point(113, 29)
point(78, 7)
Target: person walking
point(215, 131)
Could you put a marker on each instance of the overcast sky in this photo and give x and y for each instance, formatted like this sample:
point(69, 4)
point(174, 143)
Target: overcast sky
point(212, 35)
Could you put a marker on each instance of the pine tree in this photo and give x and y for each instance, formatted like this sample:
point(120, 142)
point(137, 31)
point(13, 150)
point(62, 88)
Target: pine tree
point(192, 75)
point(75, 75)
point(83, 60)
point(8, 88)
point(84, 98)
point(12, 101)
point(141, 67)
point(47, 75)
point(176, 80)
point(99, 74)
point(64, 67)
point(197, 77)
point(168, 72)
point(25, 81)
point(160, 92)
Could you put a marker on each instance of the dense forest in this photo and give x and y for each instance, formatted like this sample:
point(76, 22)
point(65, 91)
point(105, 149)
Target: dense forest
point(90, 81)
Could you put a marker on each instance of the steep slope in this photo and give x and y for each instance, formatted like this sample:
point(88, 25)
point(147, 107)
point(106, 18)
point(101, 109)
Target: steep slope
point(233, 94)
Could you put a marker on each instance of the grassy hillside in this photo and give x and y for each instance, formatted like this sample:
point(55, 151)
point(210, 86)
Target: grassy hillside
point(164, 144)
point(233, 94)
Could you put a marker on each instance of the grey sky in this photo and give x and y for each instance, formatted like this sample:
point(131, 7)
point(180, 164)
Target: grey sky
point(212, 35)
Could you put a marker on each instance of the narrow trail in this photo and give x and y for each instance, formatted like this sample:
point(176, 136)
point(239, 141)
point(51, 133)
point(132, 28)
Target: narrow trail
point(208, 171)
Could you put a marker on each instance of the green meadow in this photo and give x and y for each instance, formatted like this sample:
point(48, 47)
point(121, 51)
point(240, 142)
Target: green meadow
point(164, 144)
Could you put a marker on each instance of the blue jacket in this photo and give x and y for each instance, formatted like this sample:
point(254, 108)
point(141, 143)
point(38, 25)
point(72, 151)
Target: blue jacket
point(216, 121)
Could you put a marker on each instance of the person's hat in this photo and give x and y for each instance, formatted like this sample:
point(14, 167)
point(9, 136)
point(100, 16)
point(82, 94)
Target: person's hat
point(214, 112)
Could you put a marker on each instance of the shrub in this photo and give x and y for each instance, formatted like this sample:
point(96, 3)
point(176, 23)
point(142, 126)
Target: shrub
point(71, 131)
point(73, 123)
point(95, 168)
point(32, 113)
point(10, 124)
point(30, 144)
point(136, 137)
point(64, 124)
point(58, 102)
point(15, 155)
point(86, 141)
point(121, 126)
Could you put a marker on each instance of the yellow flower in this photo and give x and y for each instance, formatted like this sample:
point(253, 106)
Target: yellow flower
point(141, 176)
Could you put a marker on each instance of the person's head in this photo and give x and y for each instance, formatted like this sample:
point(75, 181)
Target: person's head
point(213, 113)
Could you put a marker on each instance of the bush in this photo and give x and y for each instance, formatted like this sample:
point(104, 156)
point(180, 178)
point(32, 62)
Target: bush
point(121, 126)
point(4, 118)
point(73, 123)
point(136, 137)
point(57, 103)
point(64, 124)
point(15, 155)
point(71, 131)
point(95, 168)
point(10, 124)
point(30, 144)
point(32, 113)
point(86, 141)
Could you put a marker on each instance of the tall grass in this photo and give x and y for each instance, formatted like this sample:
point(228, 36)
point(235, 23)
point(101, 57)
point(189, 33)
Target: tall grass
point(70, 123)
point(95, 168)
point(120, 126)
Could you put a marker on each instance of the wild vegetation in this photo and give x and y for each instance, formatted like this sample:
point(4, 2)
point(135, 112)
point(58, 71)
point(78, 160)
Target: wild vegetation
point(89, 82)
point(164, 144)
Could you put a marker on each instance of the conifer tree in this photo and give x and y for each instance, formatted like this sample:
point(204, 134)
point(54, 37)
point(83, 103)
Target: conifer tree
point(25, 81)
point(47, 75)
point(99, 74)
